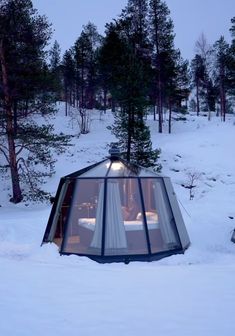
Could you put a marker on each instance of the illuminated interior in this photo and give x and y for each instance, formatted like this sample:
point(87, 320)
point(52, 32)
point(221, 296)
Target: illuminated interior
point(113, 211)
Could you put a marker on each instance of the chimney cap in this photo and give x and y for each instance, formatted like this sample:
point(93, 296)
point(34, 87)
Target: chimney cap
point(114, 151)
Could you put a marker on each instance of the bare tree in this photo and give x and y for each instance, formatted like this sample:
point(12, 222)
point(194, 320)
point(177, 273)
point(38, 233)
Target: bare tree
point(192, 178)
point(202, 47)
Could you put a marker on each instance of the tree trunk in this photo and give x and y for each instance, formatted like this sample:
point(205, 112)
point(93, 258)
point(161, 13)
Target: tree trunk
point(170, 115)
point(77, 91)
point(197, 97)
point(129, 137)
point(154, 112)
point(222, 94)
point(105, 100)
point(160, 112)
point(66, 98)
point(26, 108)
point(159, 105)
point(16, 191)
point(113, 104)
point(209, 115)
point(15, 117)
point(222, 103)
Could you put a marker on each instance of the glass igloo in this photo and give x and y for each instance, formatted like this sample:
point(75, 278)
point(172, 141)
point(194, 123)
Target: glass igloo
point(116, 211)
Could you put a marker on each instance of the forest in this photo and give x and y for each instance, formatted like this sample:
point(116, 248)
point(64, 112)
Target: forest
point(135, 70)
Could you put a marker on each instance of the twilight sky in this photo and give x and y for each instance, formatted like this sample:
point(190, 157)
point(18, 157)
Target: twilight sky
point(190, 17)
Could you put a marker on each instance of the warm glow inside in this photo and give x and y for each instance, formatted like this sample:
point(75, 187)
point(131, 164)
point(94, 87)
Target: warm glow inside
point(116, 166)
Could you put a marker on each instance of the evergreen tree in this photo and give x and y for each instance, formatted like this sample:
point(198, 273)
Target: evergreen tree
point(232, 59)
point(232, 29)
point(129, 79)
point(85, 56)
point(109, 56)
point(135, 13)
point(207, 90)
point(26, 90)
point(210, 96)
point(222, 66)
point(176, 77)
point(68, 71)
point(162, 39)
point(198, 75)
point(55, 56)
point(55, 69)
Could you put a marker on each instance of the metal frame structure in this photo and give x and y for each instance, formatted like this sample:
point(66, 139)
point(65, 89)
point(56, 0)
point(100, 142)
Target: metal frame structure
point(180, 229)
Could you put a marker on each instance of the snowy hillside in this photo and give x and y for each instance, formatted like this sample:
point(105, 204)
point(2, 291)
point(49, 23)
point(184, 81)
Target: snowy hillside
point(192, 294)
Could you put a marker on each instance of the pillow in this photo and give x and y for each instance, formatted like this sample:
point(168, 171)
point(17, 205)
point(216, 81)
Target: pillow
point(150, 216)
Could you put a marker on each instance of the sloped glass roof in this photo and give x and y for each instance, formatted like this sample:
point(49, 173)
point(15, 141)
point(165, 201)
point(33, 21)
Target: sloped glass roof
point(99, 170)
point(114, 168)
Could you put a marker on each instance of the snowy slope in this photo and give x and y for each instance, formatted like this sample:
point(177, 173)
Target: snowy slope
point(192, 294)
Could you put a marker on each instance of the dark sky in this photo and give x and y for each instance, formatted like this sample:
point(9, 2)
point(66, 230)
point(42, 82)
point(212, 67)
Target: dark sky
point(190, 17)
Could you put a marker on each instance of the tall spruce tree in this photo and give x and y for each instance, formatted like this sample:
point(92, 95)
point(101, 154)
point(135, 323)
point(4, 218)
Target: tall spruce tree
point(232, 59)
point(232, 29)
point(68, 72)
point(85, 54)
point(207, 92)
point(129, 80)
point(86, 72)
point(176, 78)
point(109, 56)
point(162, 39)
point(136, 13)
point(55, 69)
point(26, 90)
point(198, 74)
point(222, 66)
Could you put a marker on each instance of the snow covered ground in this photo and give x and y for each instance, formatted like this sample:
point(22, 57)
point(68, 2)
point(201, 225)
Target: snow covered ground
point(193, 294)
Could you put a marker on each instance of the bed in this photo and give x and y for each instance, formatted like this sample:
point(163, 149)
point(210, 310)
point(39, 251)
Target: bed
point(128, 238)
point(134, 225)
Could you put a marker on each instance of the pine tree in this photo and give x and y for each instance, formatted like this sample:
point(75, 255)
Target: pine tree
point(85, 55)
point(210, 96)
point(108, 58)
point(232, 59)
point(135, 13)
point(162, 39)
point(85, 58)
point(222, 65)
point(68, 72)
point(26, 91)
point(55, 69)
point(129, 85)
point(176, 77)
point(207, 91)
point(232, 29)
point(198, 74)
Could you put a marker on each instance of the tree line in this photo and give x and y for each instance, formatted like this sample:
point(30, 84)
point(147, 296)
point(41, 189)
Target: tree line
point(136, 68)
point(133, 69)
point(213, 75)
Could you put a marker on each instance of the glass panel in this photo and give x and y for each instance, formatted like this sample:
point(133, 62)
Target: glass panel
point(85, 220)
point(124, 234)
point(160, 221)
point(98, 171)
point(61, 213)
point(118, 169)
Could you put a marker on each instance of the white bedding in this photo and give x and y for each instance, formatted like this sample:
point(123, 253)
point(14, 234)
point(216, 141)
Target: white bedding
point(135, 225)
